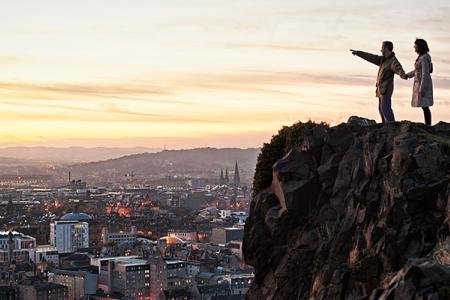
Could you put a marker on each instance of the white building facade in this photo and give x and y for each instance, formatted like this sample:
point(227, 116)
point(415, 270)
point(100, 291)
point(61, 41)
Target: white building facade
point(15, 246)
point(68, 236)
point(119, 237)
point(45, 253)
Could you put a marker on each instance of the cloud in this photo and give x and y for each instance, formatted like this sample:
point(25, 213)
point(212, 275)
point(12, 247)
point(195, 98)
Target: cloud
point(10, 60)
point(267, 79)
point(267, 96)
point(85, 89)
point(48, 112)
point(162, 89)
point(437, 20)
point(281, 47)
point(9, 138)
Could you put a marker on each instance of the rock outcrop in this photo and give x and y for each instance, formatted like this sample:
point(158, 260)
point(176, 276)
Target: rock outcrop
point(355, 211)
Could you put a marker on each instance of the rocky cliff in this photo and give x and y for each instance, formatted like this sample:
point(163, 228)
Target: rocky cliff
point(355, 211)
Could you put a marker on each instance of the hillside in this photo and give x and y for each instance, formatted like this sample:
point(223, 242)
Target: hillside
point(69, 155)
point(201, 161)
point(355, 211)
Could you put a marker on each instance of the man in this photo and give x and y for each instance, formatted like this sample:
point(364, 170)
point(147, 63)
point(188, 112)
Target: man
point(388, 67)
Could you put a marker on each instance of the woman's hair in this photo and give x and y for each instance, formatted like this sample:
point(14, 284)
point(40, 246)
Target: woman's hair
point(422, 46)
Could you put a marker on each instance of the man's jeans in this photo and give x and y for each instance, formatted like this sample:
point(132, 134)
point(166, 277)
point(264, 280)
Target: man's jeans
point(385, 109)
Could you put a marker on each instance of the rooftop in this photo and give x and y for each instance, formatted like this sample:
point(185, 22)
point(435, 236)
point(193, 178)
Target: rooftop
point(76, 216)
point(5, 234)
point(170, 240)
point(174, 261)
point(126, 260)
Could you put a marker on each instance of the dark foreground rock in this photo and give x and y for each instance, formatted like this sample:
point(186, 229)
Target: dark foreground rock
point(356, 211)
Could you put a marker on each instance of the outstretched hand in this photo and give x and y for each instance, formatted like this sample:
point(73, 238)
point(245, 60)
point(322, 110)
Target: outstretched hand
point(354, 52)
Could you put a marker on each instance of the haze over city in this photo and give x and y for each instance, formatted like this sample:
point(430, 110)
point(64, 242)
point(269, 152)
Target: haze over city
point(185, 74)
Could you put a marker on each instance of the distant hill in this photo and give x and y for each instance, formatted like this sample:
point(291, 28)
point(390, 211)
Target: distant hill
point(17, 166)
point(15, 161)
point(70, 155)
point(172, 162)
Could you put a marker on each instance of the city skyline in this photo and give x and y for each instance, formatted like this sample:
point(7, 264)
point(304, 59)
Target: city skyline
point(203, 73)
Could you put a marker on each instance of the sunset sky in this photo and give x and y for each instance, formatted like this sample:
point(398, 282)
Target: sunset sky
point(195, 73)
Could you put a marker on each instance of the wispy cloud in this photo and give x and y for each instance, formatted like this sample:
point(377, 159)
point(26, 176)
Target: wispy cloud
point(243, 81)
point(281, 47)
point(107, 113)
point(11, 59)
point(85, 89)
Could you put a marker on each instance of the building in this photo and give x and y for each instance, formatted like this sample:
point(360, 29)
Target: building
point(213, 290)
point(76, 216)
point(15, 246)
point(185, 235)
point(7, 292)
point(221, 236)
point(158, 277)
point(168, 277)
point(236, 248)
point(95, 227)
point(20, 240)
point(68, 236)
point(195, 199)
point(127, 275)
point(79, 282)
point(195, 183)
point(239, 283)
point(227, 178)
point(95, 230)
point(45, 254)
point(174, 202)
point(177, 276)
point(42, 291)
point(225, 213)
point(74, 260)
point(193, 268)
point(119, 237)
point(221, 179)
point(240, 215)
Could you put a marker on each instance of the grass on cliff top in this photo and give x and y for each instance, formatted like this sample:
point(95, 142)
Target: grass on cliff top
point(442, 140)
point(287, 138)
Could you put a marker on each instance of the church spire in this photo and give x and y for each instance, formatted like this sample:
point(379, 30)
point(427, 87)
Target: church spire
point(221, 180)
point(227, 178)
point(236, 177)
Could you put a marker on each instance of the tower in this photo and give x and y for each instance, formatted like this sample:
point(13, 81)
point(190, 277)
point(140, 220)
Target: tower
point(10, 247)
point(236, 177)
point(227, 178)
point(221, 180)
point(105, 234)
point(10, 208)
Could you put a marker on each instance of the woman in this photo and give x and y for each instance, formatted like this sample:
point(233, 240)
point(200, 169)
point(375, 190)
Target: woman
point(423, 85)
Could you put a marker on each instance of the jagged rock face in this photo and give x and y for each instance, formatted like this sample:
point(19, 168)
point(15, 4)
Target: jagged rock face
point(356, 212)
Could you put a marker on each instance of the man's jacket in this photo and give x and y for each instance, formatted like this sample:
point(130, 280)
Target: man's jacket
point(389, 66)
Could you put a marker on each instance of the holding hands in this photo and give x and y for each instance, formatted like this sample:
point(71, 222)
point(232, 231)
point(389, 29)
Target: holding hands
point(404, 76)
